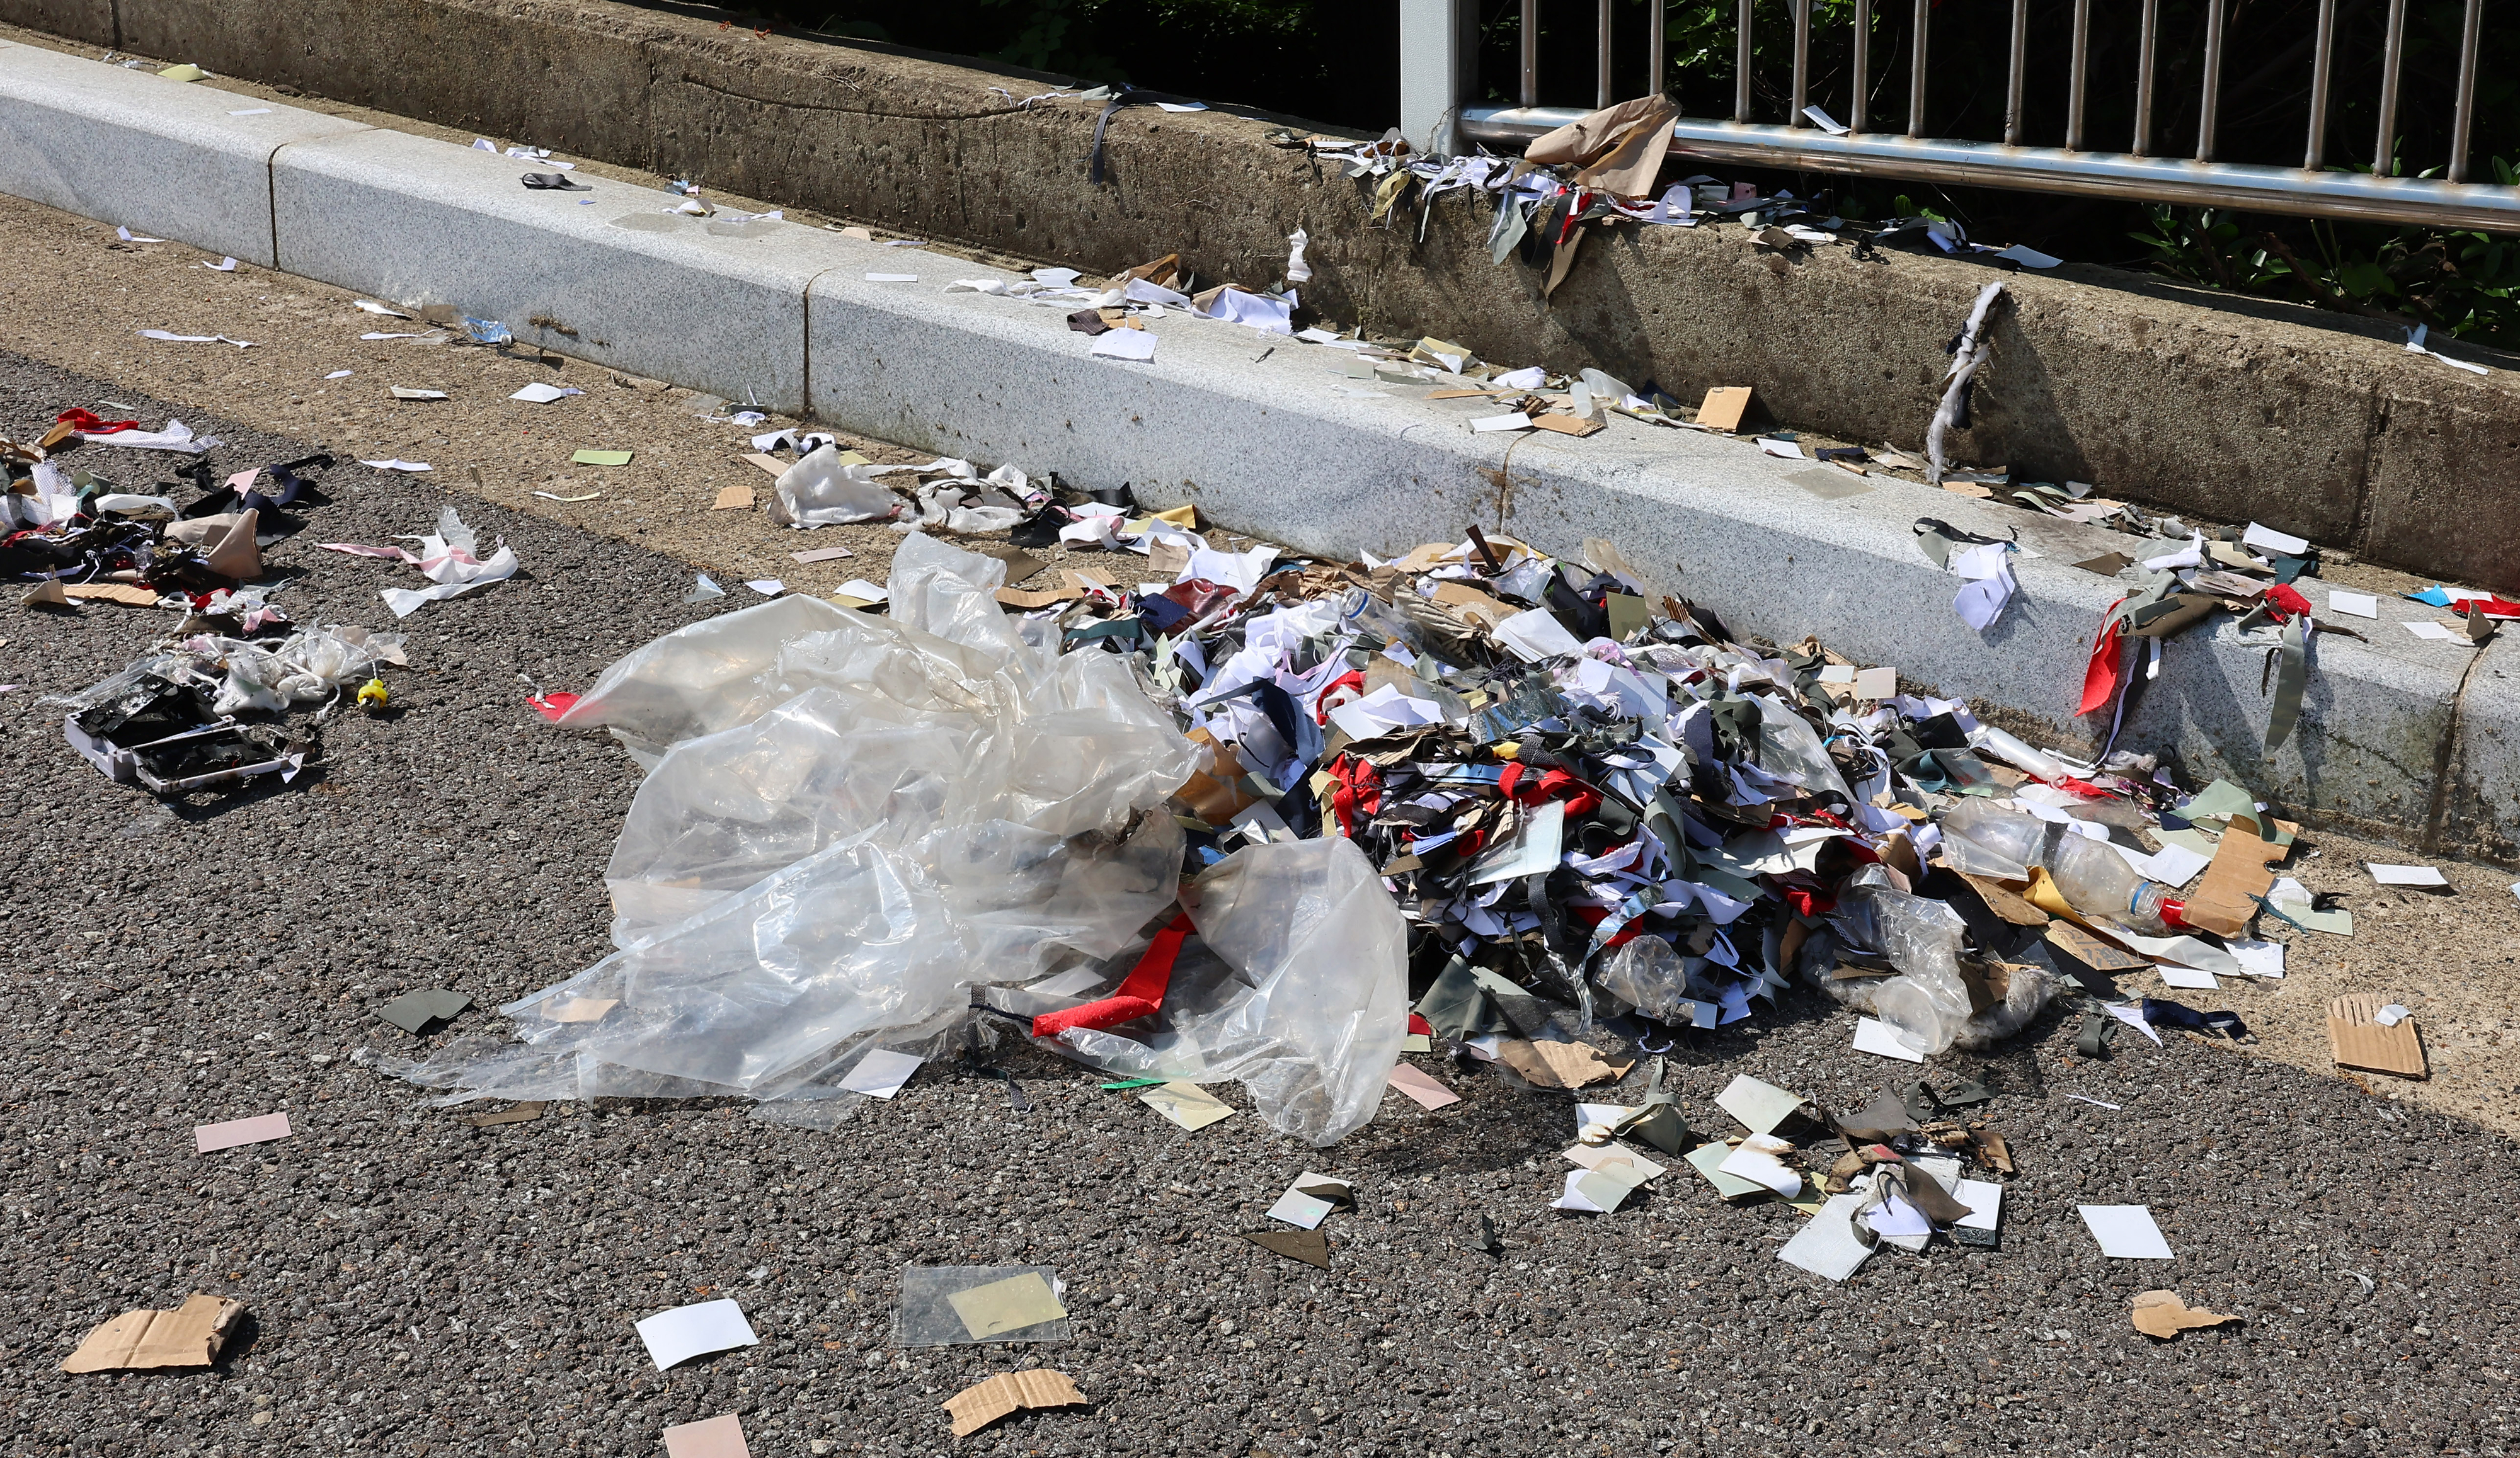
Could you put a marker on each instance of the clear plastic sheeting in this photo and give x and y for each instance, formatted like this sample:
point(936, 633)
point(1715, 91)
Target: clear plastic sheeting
point(1300, 992)
point(849, 821)
point(931, 1316)
point(1931, 1001)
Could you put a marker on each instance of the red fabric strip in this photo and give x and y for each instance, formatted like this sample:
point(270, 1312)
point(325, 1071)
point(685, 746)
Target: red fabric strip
point(1140, 993)
point(2107, 669)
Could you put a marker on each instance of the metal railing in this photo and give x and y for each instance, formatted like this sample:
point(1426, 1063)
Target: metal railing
point(1440, 86)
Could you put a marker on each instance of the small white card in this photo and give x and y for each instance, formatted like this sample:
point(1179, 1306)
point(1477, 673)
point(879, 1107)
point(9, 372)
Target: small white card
point(686, 1332)
point(882, 1072)
point(2126, 1232)
point(1872, 1036)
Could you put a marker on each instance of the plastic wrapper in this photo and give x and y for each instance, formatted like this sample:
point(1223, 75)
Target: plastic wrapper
point(1301, 994)
point(820, 490)
point(1929, 1001)
point(928, 1318)
point(1648, 976)
point(886, 817)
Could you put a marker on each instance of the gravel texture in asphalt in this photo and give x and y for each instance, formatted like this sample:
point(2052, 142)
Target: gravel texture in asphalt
point(423, 1286)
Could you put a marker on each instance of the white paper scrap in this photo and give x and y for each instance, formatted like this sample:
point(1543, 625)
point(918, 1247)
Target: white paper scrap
point(1757, 1161)
point(414, 468)
point(170, 337)
point(2028, 258)
point(223, 266)
point(2406, 875)
point(2356, 604)
point(1827, 1244)
point(2258, 958)
point(2132, 1015)
point(2175, 864)
point(1783, 449)
point(371, 306)
point(1518, 420)
point(539, 393)
point(768, 586)
point(1299, 1208)
point(2432, 632)
point(253, 112)
point(2393, 1014)
point(861, 590)
point(1824, 121)
point(2186, 977)
point(2268, 539)
point(1873, 1035)
point(128, 235)
point(1759, 1106)
point(1125, 344)
point(1536, 635)
point(2126, 1232)
point(686, 1332)
point(1985, 1200)
point(882, 1072)
point(1877, 684)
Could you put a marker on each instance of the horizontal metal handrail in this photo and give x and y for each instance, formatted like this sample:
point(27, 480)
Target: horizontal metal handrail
point(2091, 174)
point(1439, 76)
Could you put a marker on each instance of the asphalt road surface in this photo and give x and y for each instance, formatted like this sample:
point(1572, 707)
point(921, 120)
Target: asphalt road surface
point(422, 1286)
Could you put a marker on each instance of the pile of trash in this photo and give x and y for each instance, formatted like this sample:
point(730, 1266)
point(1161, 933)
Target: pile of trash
point(209, 703)
point(1238, 826)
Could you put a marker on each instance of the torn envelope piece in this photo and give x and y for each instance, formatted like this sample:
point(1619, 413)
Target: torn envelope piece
point(190, 1336)
point(978, 1405)
point(1309, 1200)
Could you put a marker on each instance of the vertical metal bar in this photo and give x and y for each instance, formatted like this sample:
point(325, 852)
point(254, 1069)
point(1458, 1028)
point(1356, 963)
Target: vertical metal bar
point(1863, 65)
point(2080, 86)
point(1656, 64)
point(1802, 63)
point(1602, 54)
point(2321, 65)
point(2143, 77)
point(2012, 83)
point(1741, 67)
point(2384, 153)
point(2211, 104)
point(1917, 69)
point(2463, 125)
point(1531, 52)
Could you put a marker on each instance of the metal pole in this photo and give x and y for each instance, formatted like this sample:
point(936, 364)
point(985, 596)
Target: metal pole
point(2462, 125)
point(2143, 77)
point(2321, 62)
point(1655, 63)
point(2212, 102)
point(1916, 69)
point(2384, 153)
point(1741, 67)
point(1863, 63)
point(1802, 63)
point(2079, 85)
point(1602, 54)
point(2012, 83)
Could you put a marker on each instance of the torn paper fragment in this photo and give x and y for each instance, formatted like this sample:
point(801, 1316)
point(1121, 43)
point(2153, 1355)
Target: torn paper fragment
point(1310, 1247)
point(402, 392)
point(1125, 344)
point(1872, 1036)
point(417, 1009)
point(1415, 1082)
point(1759, 1107)
point(1536, 635)
point(1829, 1244)
point(882, 1072)
point(768, 586)
point(1758, 1162)
point(1592, 1192)
point(169, 338)
point(2266, 539)
point(223, 266)
point(1309, 1200)
point(2028, 258)
point(678, 1335)
point(720, 1437)
point(1783, 449)
point(1516, 420)
point(977, 1407)
point(1187, 1104)
point(539, 393)
point(2126, 1232)
point(448, 557)
point(258, 1130)
point(820, 555)
point(2406, 875)
point(1005, 1306)
point(2432, 632)
point(408, 468)
point(2187, 977)
point(190, 1336)
point(2161, 1313)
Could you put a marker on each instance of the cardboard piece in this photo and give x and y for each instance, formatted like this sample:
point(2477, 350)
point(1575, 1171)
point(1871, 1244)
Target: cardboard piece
point(1468, 603)
point(1561, 1065)
point(190, 1336)
point(258, 1130)
point(2092, 950)
point(2224, 902)
point(519, 1114)
point(1574, 426)
point(2363, 1041)
point(1186, 1104)
point(1008, 1306)
point(2161, 1313)
point(1723, 407)
point(1421, 1085)
point(124, 593)
point(720, 1437)
point(2002, 900)
point(735, 498)
point(1217, 793)
point(1310, 1247)
point(978, 1405)
point(417, 1009)
point(770, 464)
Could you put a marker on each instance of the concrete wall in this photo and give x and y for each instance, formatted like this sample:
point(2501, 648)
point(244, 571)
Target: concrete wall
point(2309, 423)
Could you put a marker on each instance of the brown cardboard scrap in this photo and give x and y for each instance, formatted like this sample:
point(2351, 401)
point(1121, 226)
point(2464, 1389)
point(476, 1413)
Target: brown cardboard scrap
point(1561, 1065)
point(1463, 394)
point(735, 498)
point(2161, 1313)
point(237, 555)
point(46, 594)
point(1575, 425)
point(1465, 602)
point(2096, 954)
point(1167, 559)
point(1017, 598)
point(2002, 900)
point(190, 1336)
point(1723, 407)
point(519, 1114)
point(1310, 1247)
point(1993, 1152)
point(2223, 902)
point(1215, 794)
point(978, 1405)
point(2107, 563)
point(2361, 1041)
point(113, 591)
point(770, 464)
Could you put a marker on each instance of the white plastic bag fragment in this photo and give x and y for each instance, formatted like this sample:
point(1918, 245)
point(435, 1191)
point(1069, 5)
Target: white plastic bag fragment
point(850, 821)
point(450, 557)
point(822, 491)
point(1300, 995)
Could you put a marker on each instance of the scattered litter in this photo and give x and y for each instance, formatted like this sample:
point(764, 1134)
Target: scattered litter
point(1872, 1036)
point(339, 374)
point(1310, 1247)
point(223, 266)
point(191, 1336)
point(539, 393)
point(601, 458)
point(2125, 1232)
point(519, 1114)
point(1125, 344)
point(253, 112)
point(2084, 1098)
point(768, 586)
point(401, 392)
point(260, 1130)
point(409, 467)
point(185, 71)
point(676, 1336)
point(414, 1012)
point(1415, 1082)
point(892, 278)
point(704, 589)
point(2161, 1313)
point(720, 1437)
point(554, 496)
point(1309, 1200)
point(949, 1304)
point(448, 557)
point(977, 1407)
point(2406, 875)
point(820, 555)
point(170, 337)
point(735, 498)
point(1186, 1104)
point(882, 1072)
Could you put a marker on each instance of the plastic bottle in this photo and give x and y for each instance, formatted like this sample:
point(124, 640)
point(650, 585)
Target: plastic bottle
point(2097, 882)
point(1981, 838)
